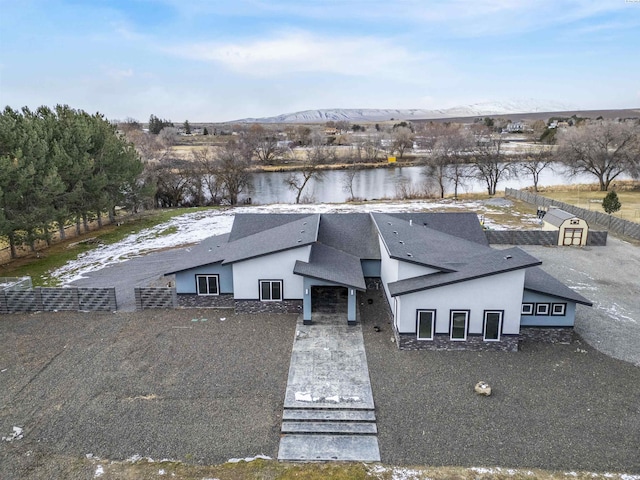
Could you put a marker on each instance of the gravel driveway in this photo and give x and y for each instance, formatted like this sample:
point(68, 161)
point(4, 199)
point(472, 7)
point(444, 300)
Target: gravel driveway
point(609, 277)
point(554, 406)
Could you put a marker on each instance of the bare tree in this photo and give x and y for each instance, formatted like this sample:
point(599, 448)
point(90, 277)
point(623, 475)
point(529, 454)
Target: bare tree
point(449, 151)
point(489, 162)
point(205, 160)
point(605, 150)
point(401, 140)
point(537, 160)
point(232, 170)
point(314, 157)
point(348, 177)
point(262, 144)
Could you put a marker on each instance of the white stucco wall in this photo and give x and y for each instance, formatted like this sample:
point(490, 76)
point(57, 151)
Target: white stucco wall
point(277, 266)
point(496, 292)
point(388, 269)
point(408, 270)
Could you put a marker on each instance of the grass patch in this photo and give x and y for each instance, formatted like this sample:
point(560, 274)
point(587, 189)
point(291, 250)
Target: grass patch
point(272, 470)
point(40, 263)
point(590, 198)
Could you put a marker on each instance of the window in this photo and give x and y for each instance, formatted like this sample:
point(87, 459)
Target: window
point(558, 308)
point(492, 326)
point(542, 309)
point(270, 290)
point(207, 284)
point(527, 309)
point(459, 323)
point(426, 320)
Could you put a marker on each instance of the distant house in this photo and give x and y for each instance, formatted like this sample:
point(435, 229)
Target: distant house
point(572, 231)
point(444, 286)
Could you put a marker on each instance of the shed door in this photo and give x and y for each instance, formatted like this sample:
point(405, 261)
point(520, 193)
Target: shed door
point(572, 236)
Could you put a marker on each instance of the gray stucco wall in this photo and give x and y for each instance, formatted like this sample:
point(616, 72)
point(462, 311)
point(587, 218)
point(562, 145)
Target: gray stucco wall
point(370, 268)
point(566, 320)
point(186, 280)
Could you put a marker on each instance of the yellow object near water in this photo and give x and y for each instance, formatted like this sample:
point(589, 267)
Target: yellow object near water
point(391, 159)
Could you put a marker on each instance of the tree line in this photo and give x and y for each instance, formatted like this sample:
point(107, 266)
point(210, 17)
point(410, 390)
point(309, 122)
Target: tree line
point(62, 166)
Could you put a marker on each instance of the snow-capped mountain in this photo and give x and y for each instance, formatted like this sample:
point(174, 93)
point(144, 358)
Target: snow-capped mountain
point(379, 115)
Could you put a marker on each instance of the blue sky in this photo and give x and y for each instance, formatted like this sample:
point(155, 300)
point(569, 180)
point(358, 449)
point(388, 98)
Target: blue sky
point(221, 60)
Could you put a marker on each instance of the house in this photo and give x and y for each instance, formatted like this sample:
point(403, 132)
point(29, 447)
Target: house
point(572, 231)
point(444, 286)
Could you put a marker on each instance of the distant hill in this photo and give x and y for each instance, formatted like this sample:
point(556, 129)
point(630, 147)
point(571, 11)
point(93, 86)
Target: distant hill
point(522, 108)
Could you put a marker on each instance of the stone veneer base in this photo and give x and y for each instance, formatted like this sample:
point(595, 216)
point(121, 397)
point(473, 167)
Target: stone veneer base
point(547, 334)
point(256, 306)
point(473, 343)
point(188, 300)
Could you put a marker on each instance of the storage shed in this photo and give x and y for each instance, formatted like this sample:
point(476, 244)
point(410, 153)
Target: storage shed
point(572, 230)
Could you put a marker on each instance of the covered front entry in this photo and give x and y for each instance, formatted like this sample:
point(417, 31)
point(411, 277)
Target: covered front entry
point(329, 299)
point(322, 297)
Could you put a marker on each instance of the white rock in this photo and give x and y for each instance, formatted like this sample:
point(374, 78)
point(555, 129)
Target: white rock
point(482, 388)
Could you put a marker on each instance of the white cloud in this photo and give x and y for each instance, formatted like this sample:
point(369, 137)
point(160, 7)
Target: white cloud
point(301, 52)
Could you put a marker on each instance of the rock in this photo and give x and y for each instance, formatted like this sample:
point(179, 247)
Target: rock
point(482, 388)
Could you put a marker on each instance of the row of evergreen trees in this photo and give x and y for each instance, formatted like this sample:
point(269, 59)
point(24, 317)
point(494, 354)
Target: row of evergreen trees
point(58, 167)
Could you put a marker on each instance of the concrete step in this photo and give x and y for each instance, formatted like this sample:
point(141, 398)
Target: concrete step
point(335, 428)
point(317, 415)
point(348, 448)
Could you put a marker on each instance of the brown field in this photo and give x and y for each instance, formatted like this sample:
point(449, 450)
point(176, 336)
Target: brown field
point(590, 198)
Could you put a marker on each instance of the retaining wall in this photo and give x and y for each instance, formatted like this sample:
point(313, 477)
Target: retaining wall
point(55, 299)
point(614, 224)
point(155, 297)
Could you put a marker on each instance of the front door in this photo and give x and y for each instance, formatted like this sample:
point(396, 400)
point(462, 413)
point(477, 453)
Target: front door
point(572, 236)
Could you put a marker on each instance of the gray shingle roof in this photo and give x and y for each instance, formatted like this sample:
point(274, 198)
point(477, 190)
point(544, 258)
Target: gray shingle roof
point(297, 233)
point(488, 262)
point(208, 251)
point(353, 233)
point(464, 225)
point(537, 280)
point(416, 243)
point(246, 224)
point(327, 263)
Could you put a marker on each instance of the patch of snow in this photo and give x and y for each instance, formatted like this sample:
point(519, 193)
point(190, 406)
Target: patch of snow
point(17, 434)
point(303, 397)
point(99, 471)
point(249, 459)
point(615, 312)
point(334, 398)
point(162, 472)
point(222, 319)
point(625, 476)
point(4, 370)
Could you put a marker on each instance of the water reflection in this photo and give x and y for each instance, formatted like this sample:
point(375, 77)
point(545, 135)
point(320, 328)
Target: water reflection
point(380, 183)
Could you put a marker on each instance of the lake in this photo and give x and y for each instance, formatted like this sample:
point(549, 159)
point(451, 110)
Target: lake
point(380, 183)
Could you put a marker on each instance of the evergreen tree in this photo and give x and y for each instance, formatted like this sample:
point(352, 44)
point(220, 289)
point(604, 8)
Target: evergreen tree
point(611, 203)
point(187, 127)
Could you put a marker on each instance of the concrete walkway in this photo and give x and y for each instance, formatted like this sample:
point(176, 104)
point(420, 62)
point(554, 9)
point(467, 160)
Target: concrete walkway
point(328, 407)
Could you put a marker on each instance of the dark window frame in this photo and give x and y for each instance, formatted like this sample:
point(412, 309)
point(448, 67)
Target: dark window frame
point(543, 314)
point(466, 325)
point(271, 283)
point(433, 323)
point(553, 309)
point(208, 276)
point(531, 308)
point(500, 325)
